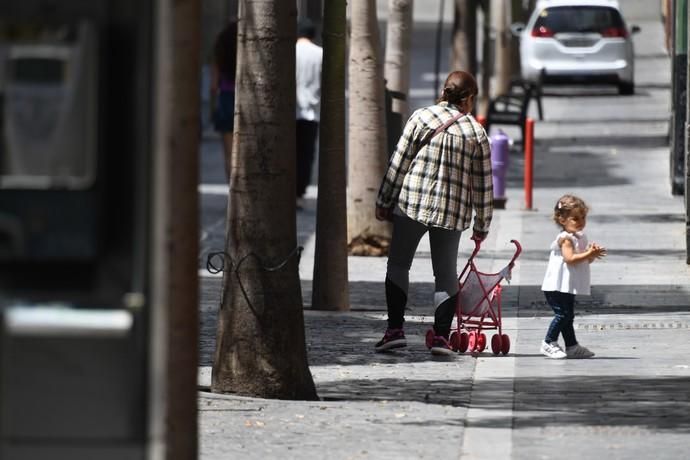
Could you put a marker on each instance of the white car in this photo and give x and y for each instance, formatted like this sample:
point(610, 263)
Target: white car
point(578, 41)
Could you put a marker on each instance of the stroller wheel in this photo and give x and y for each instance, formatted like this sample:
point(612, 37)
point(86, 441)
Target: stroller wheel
point(429, 338)
point(454, 341)
point(505, 344)
point(496, 344)
point(463, 342)
point(472, 341)
point(481, 342)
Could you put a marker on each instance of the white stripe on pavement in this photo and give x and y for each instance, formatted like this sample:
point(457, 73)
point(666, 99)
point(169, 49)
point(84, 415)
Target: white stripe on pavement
point(490, 415)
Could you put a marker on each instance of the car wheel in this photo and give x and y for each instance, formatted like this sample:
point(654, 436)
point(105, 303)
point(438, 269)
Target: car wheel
point(626, 88)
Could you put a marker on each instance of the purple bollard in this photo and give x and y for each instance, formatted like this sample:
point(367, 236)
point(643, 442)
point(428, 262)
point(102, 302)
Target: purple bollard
point(500, 143)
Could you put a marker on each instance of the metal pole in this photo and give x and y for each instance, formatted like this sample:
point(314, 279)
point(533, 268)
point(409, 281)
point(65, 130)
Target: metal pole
point(529, 161)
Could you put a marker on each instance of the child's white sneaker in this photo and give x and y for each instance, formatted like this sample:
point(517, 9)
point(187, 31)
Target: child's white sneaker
point(552, 350)
point(577, 351)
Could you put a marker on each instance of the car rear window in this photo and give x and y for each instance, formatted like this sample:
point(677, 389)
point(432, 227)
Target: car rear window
point(579, 19)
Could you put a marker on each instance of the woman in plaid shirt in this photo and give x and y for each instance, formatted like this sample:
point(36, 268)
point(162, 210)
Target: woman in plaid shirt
point(440, 171)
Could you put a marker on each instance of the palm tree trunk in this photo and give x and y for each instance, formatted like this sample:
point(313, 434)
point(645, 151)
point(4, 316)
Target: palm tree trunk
point(500, 12)
point(517, 14)
point(260, 347)
point(464, 48)
point(367, 158)
point(330, 285)
point(485, 84)
point(397, 60)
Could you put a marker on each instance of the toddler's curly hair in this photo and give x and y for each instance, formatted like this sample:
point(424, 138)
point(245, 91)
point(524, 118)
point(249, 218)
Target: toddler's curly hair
point(566, 205)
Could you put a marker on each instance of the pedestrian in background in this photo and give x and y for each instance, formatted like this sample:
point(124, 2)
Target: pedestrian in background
point(308, 60)
point(223, 88)
point(567, 275)
point(440, 171)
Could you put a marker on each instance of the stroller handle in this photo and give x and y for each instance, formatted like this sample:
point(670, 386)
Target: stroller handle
point(477, 245)
point(518, 250)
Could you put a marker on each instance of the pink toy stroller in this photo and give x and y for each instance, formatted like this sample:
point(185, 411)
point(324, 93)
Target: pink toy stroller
point(479, 307)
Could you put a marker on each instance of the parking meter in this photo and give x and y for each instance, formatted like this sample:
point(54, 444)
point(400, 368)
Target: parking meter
point(75, 143)
point(49, 151)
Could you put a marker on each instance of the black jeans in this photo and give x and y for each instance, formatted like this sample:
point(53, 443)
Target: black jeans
point(563, 306)
point(444, 260)
point(307, 132)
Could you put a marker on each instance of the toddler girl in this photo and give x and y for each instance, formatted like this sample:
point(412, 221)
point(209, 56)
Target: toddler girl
point(567, 275)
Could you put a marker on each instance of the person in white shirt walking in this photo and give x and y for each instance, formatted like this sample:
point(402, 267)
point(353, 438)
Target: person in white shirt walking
point(308, 61)
point(567, 275)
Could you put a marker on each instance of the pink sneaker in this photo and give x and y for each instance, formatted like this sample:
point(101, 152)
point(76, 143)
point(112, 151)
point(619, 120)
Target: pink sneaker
point(393, 338)
point(441, 347)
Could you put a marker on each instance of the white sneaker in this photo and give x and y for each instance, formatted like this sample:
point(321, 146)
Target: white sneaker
point(552, 350)
point(577, 351)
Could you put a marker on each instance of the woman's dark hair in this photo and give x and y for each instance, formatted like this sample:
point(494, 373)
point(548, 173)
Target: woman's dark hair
point(459, 87)
point(225, 50)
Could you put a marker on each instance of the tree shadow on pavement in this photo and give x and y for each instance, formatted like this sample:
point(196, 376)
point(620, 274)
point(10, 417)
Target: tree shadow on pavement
point(654, 403)
point(579, 91)
point(594, 167)
point(671, 301)
point(443, 392)
point(599, 118)
point(365, 322)
point(593, 170)
point(619, 141)
point(658, 218)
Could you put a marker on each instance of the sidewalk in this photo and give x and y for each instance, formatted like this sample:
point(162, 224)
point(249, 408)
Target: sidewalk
point(630, 401)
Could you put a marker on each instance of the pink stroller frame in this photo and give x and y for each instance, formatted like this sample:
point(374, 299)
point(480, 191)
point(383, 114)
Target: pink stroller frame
point(479, 307)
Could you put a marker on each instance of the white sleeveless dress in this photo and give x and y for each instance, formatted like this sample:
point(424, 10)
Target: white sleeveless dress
point(568, 278)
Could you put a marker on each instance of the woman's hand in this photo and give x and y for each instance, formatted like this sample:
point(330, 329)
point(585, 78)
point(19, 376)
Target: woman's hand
point(479, 236)
point(384, 213)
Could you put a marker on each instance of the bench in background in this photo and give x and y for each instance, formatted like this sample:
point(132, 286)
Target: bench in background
point(512, 108)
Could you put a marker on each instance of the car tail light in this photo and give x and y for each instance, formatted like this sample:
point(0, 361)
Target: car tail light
point(612, 32)
point(542, 31)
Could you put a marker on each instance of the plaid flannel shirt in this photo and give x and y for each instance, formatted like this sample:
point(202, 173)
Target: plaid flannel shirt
point(439, 183)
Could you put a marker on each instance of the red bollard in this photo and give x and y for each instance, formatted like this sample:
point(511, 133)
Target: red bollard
point(529, 161)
